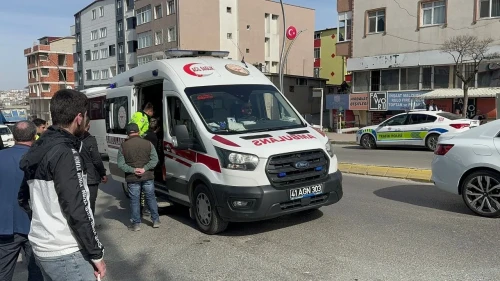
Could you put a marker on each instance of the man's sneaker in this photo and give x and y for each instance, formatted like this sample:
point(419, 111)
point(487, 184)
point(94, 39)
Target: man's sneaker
point(134, 227)
point(156, 224)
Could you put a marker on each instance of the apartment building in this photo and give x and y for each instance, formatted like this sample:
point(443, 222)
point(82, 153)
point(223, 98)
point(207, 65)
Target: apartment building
point(50, 68)
point(249, 29)
point(327, 63)
point(95, 49)
point(394, 54)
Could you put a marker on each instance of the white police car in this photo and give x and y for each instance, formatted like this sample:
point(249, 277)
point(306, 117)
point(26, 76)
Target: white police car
point(417, 128)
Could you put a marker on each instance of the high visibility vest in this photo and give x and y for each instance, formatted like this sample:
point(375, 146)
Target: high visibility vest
point(142, 121)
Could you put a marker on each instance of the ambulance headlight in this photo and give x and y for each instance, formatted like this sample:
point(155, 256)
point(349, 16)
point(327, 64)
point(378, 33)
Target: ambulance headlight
point(236, 160)
point(329, 148)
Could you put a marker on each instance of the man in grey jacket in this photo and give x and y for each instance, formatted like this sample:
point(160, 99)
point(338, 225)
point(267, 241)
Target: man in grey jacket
point(137, 157)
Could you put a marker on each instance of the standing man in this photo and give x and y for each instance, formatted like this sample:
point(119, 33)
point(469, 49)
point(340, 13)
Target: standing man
point(41, 126)
point(14, 222)
point(137, 158)
point(141, 118)
point(96, 173)
point(63, 236)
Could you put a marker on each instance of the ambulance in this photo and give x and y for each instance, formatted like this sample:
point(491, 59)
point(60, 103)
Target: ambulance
point(234, 148)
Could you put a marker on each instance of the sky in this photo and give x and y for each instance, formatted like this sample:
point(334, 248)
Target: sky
point(22, 22)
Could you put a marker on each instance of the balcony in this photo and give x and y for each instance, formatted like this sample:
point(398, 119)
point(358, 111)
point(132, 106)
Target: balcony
point(131, 58)
point(130, 35)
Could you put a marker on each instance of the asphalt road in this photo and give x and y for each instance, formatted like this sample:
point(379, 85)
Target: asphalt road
point(397, 157)
point(380, 230)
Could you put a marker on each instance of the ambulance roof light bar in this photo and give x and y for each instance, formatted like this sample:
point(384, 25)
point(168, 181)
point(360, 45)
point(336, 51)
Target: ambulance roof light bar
point(195, 53)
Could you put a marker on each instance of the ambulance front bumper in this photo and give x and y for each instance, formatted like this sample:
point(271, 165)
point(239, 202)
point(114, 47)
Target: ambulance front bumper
point(245, 204)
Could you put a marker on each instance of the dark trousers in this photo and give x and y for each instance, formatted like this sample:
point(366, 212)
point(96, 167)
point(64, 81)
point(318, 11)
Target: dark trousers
point(93, 188)
point(10, 247)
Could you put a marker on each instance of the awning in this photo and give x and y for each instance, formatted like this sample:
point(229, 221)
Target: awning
point(459, 93)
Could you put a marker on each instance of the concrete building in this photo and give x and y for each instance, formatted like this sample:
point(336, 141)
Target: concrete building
point(246, 28)
point(50, 68)
point(96, 48)
point(327, 63)
point(394, 54)
point(126, 35)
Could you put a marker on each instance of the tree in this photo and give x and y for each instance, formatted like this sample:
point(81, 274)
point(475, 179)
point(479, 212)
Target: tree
point(468, 52)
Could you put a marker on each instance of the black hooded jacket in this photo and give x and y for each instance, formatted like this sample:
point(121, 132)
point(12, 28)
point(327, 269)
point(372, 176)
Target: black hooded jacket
point(56, 196)
point(92, 158)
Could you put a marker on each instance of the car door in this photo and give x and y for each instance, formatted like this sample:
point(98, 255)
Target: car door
point(390, 132)
point(418, 125)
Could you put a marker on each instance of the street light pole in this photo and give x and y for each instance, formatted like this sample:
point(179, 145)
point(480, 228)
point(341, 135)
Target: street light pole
point(283, 46)
point(282, 70)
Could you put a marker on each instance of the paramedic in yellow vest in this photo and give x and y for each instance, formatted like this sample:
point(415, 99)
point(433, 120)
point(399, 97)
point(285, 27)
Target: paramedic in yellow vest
point(41, 126)
point(141, 118)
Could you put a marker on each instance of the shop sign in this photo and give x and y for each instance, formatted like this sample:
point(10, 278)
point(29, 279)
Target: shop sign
point(401, 100)
point(337, 101)
point(459, 104)
point(358, 101)
point(378, 101)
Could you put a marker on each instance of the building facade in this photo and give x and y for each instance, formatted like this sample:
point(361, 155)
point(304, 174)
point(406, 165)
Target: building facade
point(395, 55)
point(96, 49)
point(50, 68)
point(327, 63)
point(126, 35)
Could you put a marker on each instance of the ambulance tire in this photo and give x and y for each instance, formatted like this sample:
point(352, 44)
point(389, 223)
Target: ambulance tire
point(368, 142)
point(205, 211)
point(125, 190)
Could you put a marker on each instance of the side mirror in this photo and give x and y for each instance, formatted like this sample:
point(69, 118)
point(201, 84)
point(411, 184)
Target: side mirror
point(182, 140)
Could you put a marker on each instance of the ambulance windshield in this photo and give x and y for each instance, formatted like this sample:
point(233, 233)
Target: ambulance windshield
point(236, 109)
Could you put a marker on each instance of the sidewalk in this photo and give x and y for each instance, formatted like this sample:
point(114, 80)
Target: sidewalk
point(342, 138)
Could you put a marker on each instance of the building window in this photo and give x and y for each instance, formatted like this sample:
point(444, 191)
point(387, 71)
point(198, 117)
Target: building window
point(144, 59)
point(87, 55)
point(119, 4)
point(171, 34)
point(170, 7)
point(317, 35)
point(131, 23)
point(390, 80)
point(229, 36)
point(376, 21)
point(101, 12)
point(112, 50)
point(433, 13)
point(95, 55)
point(317, 53)
point(119, 27)
point(95, 75)
point(104, 74)
point(158, 12)
point(344, 32)
point(88, 74)
point(426, 78)
point(410, 78)
point(375, 80)
point(103, 32)
point(132, 46)
point(143, 15)
point(121, 51)
point(45, 87)
point(94, 14)
point(144, 40)
point(248, 27)
point(316, 72)
point(104, 53)
point(441, 77)
point(94, 35)
point(489, 8)
point(228, 10)
point(45, 72)
point(159, 37)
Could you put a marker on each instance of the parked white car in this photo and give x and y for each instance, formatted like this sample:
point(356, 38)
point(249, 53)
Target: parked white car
point(7, 137)
point(414, 128)
point(468, 164)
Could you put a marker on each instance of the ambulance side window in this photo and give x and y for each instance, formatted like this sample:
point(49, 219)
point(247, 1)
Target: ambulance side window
point(117, 115)
point(178, 115)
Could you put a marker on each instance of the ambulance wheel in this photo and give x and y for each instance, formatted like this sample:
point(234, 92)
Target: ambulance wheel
point(205, 212)
point(431, 142)
point(125, 190)
point(368, 142)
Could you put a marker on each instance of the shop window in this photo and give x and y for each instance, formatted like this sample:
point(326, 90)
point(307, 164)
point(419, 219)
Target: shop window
point(361, 81)
point(426, 77)
point(390, 80)
point(375, 81)
point(410, 78)
point(441, 77)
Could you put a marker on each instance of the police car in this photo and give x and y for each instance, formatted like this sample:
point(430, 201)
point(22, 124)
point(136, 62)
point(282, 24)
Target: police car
point(414, 128)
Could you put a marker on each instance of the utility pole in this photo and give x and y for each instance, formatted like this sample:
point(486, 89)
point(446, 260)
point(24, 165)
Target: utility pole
point(283, 46)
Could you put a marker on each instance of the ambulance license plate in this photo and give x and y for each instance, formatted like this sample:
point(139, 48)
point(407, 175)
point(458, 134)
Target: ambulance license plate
point(304, 192)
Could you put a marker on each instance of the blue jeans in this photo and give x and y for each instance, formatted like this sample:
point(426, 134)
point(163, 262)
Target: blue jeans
point(134, 189)
point(72, 267)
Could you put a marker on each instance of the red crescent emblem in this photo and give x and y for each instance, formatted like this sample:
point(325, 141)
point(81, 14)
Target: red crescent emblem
point(291, 33)
point(188, 70)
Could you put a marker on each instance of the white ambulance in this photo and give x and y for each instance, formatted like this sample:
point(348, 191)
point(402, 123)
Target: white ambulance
point(235, 149)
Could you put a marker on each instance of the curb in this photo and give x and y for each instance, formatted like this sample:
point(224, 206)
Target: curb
point(343, 142)
point(422, 175)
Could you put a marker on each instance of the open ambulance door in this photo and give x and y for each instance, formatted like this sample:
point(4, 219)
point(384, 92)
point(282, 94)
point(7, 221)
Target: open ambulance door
point(121, 104)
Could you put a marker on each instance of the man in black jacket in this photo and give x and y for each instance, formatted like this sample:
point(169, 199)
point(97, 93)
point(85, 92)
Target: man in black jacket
point(56, 196)
point(96, 173)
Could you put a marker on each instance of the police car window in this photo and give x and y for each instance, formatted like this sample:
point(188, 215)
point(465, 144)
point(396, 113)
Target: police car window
point(5, 131)
point(396, 120)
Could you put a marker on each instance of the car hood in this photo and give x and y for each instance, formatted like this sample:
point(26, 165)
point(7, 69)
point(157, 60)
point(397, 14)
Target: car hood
point(265, 144)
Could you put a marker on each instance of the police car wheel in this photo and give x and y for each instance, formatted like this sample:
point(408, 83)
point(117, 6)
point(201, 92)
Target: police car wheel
point(125, 190)
point(205, 211)
point(368, 142)
point(431, 142)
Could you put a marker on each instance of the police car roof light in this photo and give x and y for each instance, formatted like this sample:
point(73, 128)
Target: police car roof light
point(112, 86)
point(195, 53)
point(155, 72)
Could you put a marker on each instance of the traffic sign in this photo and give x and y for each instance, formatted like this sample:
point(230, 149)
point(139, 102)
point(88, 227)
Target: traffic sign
point(291, 32)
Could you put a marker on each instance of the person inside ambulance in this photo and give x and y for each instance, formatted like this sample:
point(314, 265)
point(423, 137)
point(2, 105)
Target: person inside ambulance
point(141, 118)
point(246, 113)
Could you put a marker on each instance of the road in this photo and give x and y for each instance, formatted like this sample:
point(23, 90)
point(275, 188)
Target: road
point(397, 157)
point(381, 230)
